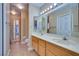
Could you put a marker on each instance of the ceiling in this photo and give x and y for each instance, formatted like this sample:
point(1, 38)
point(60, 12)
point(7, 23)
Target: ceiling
point(38, 5)
point(13, 6)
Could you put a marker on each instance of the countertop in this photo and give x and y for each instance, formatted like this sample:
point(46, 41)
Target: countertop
point(69, 44)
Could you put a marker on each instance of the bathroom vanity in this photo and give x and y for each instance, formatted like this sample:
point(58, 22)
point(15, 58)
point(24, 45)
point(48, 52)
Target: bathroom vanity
point(54, 28)
point(46, 46)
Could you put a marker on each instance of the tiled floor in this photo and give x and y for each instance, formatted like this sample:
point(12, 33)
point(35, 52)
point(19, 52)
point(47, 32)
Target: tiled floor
point(18, 49)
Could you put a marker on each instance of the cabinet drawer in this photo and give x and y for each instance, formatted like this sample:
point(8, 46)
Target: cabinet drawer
point(41, 51)
point(34, 39)
point(42, 42)
point(59, 51)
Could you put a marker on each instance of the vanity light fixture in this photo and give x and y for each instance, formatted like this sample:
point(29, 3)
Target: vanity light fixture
point(42, 11)
point(48, 8)
point(45, 10)
point(55, 4)
point(51, 7)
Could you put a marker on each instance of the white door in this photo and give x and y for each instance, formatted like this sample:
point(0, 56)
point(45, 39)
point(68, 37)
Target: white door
point(64, 25)
point(0, 29)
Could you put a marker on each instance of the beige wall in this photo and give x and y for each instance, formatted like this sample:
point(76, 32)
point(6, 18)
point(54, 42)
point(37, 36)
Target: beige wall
point(12, 19)
point(24, 23)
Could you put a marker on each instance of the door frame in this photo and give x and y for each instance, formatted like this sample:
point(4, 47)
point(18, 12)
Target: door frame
point(2, 29)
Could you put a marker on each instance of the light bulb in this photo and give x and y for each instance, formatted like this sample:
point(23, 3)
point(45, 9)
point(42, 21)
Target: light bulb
point(43, 12)
point(47, 8)
point(13, 12)
point(20, 6)
point(51, 7)
point(55, 4)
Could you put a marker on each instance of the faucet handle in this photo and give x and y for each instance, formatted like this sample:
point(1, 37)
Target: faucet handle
point(65, 38)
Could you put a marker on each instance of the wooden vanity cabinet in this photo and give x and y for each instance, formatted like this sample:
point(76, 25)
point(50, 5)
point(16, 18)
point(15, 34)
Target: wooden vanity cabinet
point(49, 53)
point(38, 45)
point(58, 51)
point(44, 48)
point(35, 42)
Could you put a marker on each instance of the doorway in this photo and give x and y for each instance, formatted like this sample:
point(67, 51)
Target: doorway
point(16, 30)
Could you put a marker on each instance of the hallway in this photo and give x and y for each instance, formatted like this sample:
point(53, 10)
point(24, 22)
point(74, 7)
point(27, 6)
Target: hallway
point(18, 49)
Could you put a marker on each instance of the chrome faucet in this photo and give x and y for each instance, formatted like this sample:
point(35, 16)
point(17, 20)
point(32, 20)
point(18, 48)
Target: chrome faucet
point(65, 38)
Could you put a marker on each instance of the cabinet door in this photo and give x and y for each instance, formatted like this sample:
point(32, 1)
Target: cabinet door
point(58, 51)
point(49, 53)
point(42, 43)
point(42, 47)
point(35, 47)
point(41, 50)
point(35, 43)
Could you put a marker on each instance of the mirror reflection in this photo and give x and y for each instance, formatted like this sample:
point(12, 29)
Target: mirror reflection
point(61, 20)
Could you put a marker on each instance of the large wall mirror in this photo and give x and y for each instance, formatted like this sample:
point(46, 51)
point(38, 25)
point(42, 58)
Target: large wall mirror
point(40, 24)
point(64, 21)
